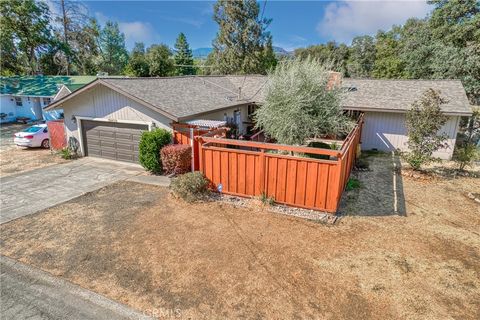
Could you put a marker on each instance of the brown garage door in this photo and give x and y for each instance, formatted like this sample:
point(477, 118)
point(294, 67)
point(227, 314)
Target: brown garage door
point(112, 140)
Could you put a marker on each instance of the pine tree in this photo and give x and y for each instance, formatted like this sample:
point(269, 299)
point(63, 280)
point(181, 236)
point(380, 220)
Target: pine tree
point(239, 45)
point(114, 55)
point(183, 56)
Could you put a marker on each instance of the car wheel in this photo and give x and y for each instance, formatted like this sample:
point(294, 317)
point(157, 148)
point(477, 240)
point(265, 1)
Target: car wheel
point(46, 144)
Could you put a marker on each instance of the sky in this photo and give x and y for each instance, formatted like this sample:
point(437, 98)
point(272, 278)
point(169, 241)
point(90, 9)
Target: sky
point(295, 23)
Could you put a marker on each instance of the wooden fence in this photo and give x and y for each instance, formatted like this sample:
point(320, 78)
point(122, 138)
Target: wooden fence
point(185, 134)
point(56, 132)
point(247, 168)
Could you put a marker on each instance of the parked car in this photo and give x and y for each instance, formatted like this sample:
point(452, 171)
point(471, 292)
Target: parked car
point(34, 136)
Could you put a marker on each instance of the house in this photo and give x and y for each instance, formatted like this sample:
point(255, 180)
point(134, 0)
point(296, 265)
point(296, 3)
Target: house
point(26, 97)
point(107, 116)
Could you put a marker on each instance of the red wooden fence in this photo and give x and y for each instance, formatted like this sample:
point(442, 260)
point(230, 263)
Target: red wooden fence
point(246, 168)
point(185, 134)
point(56, 131)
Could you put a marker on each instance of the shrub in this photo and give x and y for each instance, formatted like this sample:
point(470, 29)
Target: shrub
point(176, 158)
point(352, 184)
point(424, 120)
point(191, 186)
point(300, 105)
point(266, 200)
point(66, 153)
point(318, 144)
point(465, 155)
point(151, 142)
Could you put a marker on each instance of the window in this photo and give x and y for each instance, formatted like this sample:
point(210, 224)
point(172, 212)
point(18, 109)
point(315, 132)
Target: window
point(32, 129)
point(18, 101)
point(46, 101)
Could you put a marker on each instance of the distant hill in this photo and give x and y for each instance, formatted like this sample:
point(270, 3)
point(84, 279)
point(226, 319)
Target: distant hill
point(204, 52)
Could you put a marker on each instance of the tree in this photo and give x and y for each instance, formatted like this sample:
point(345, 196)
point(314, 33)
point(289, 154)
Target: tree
point(113, 54)
point(456, 21)
point(78, 34)
point(159, 62)
point(298, 105)
point(183, 56)
point(467, 151)
point(362, 57)
point(268, 56)
point(417, 48)
point(242, 36)
point(331, 54)
point(424, 120)
point(137, 63)
point(25, 24)
point(388, 63)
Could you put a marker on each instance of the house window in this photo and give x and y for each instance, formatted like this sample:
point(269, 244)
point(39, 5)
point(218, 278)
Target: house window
point(46, 101)
point(18, 101)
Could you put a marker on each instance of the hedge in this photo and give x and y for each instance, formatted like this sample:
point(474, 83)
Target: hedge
point(151, 142)
point(176, 158)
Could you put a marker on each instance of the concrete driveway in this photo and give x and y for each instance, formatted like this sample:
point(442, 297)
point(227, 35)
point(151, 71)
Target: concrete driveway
point(28, 192)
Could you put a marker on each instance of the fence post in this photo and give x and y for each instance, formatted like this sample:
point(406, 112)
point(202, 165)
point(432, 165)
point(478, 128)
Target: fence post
point(263, 175)
point(200, 155)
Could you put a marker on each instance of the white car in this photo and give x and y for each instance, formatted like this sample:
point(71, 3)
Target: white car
point(34, 136)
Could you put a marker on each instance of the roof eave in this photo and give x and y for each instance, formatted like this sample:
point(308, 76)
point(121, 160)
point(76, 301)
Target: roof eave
point(448, 113)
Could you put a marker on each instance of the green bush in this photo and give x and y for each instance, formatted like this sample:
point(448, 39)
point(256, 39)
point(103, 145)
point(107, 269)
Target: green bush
point(318, 144)
point(66, 153)
point(190, 186)
point(353, 184)
point(151, 142)
point(465, 155)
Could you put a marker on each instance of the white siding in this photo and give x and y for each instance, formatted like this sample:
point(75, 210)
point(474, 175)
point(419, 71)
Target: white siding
point(102, 102)
point(386, 131)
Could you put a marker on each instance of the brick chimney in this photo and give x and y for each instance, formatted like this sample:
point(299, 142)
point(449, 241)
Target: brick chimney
point(334, 80)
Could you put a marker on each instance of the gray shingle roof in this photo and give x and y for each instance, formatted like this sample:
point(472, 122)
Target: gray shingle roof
point(189, 96)
point(398, 95)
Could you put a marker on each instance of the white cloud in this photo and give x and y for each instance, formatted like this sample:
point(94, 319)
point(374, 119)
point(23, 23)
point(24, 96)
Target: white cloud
point(344, 20)
point(135, 31)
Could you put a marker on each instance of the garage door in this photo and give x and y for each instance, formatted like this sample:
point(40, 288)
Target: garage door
point(112, 140)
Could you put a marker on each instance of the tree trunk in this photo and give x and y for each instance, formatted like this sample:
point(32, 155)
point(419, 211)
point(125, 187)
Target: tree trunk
point(65, 35)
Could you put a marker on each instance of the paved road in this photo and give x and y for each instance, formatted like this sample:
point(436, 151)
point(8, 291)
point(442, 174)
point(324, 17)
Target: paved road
point(28, 293)
point(28, 192)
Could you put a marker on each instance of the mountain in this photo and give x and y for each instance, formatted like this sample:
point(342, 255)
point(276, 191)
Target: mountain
point(204, 52)
point(281, 52)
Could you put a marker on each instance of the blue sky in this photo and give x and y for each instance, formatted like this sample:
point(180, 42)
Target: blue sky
point(295, 23)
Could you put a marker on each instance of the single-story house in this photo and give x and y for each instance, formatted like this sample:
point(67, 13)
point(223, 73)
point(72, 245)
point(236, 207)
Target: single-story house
point(27, 96)
point(107, 116)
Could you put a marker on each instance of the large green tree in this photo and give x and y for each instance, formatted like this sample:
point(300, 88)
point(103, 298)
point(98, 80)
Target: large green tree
point(388, 62)
point(159, 62)
point(113, 54)
point(239, 45)
point(362, 57)
point(137, 63)
point(183, 56)
point(25, 28)
point(331, 53)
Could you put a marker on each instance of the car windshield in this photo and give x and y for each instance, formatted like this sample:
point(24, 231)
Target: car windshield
point(32, 129)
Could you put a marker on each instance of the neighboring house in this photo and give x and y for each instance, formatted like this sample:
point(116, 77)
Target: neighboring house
point(28, 96)
point(107, 116)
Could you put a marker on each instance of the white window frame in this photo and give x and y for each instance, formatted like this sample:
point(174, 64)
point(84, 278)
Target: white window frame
point(79, 119)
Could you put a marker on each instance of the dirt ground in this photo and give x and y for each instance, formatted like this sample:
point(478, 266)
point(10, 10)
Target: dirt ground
point(416, 259)
point(16, 159)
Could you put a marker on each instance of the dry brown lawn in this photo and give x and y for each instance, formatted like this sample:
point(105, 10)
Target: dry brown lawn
point(136, 244)
point(15, 159)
